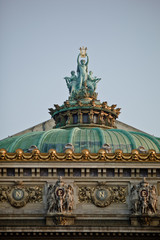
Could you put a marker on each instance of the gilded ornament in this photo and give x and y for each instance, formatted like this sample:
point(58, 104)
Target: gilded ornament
point(19, 195)
point(135, 155)
point(19, 154)
point(103, 194)
point(118, 154)
point(83, 51)
point(85, 155)
point(152, 155)
point(3, 153)
point(68, 154)
point(102, 154)
point(3, 195)
point(52, 154)
point(35, 154)
point(60, 220)
point(84, 194)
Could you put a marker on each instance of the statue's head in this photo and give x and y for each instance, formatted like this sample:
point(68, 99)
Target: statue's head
point(82, 62)
point(90, 72)
point(72, 73)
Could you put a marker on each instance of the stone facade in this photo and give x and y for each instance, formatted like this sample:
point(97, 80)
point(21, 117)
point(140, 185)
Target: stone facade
point(81, 199)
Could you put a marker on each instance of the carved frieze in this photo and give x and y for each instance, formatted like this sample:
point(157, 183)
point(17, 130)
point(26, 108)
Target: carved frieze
point(19, 195)
point(103, 194)
point(60, 197)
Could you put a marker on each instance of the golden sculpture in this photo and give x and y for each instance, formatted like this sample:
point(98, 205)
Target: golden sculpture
point(83, 51)
point(84, 156)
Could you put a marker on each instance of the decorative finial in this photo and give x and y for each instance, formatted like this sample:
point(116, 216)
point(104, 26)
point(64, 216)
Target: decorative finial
point(83, 52)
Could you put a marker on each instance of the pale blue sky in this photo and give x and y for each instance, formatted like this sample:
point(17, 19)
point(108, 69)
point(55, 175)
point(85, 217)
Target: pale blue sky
point(39, 42)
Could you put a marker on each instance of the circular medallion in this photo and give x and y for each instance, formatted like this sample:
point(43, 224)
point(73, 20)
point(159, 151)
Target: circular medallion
point(101, 194)
point(101, 197)
point(60, 192)
point(144, 193)
point(18, 194)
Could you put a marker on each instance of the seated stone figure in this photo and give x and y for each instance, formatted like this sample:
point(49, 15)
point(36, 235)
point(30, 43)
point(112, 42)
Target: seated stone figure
point(71, 82)
point(92, 81)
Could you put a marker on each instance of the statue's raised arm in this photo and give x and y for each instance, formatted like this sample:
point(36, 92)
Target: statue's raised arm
point(87, 60)
point(78, 59)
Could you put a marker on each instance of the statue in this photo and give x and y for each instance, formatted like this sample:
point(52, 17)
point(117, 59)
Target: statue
point(143, 198)
point(153, 199)
point(69, 198)
point(71, 82)
point(144, 201)
point(60, 197)
point(92, 81)
point(134, 199)
point(82, 70)
point(83, 85)
point(51, 199)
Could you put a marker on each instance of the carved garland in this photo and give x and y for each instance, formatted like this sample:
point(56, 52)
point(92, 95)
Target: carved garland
point(85, 156)
point(19, 195)
point(102, 195)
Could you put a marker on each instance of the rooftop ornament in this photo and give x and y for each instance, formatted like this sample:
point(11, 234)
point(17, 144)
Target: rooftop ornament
point(82, 85)
point(82, 108)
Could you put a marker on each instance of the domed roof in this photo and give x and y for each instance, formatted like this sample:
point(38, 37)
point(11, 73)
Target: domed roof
point(82, 138)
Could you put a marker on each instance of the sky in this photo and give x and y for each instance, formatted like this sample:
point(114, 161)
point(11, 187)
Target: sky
point(39, 45)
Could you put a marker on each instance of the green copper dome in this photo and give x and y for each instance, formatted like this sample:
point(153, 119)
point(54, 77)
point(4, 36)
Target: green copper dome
point(82, 138)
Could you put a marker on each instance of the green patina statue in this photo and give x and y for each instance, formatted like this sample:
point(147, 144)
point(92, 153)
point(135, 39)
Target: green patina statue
point(83, 85)
point(72, 83)
point(82, 70)
point(92, 81)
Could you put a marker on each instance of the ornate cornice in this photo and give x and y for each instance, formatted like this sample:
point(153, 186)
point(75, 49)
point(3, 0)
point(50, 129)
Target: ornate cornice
point(84, 156)
point(80, 105)
point(105, 115)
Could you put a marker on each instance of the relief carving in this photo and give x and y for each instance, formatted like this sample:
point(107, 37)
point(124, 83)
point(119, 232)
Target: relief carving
point(60, 197)
point(19, 195)
point(143, 198)
point(102, 195)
